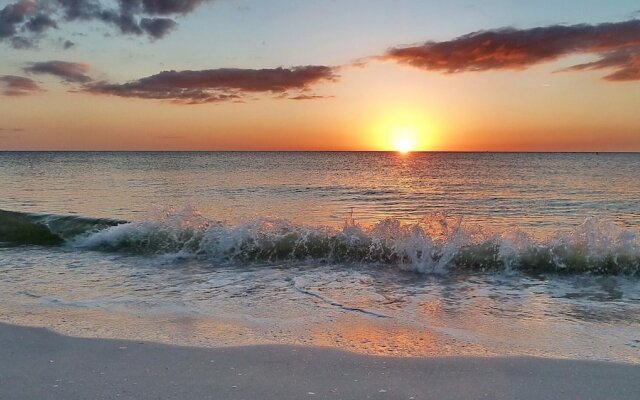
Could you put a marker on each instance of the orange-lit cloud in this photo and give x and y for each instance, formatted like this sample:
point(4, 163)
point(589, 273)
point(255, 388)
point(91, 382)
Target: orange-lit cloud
point(18, 85)
point(223, 84)
point(618, 44)
point(308, 97)
point(626, 64)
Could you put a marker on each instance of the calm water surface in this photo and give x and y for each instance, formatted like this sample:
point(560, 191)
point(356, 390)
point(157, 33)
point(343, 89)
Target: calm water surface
point(532, 191)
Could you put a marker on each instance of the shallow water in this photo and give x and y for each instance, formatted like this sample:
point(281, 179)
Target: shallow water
point(536, 192)
point(425, 254)
point(366, 308)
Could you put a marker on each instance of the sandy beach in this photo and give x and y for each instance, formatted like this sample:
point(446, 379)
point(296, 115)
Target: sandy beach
point(36, 364)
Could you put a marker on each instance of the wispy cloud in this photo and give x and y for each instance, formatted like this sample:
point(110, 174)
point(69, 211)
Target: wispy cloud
point(71, 72)
point(617, 45)
point(12, 85)
point(625, 63)
point(220, 85)
point(309, 97)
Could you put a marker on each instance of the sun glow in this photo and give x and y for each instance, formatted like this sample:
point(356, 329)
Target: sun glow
point(404, 139)
point(404, 131)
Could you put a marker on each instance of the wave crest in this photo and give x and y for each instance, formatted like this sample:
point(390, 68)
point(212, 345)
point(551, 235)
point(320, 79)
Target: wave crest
point(436, 243)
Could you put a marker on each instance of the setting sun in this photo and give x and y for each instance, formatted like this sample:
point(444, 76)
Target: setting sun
point(403, 129)
point(404, 142)
point(404, 138)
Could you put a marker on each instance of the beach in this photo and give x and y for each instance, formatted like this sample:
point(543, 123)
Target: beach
point(36, 364)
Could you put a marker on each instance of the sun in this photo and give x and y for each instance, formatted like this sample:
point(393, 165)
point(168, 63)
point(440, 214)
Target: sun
point(403, 130)
point(404, 145)
point(404, 138)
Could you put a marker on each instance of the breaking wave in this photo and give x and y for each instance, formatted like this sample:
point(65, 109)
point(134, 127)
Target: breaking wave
point(436, 243)
point(18, 228)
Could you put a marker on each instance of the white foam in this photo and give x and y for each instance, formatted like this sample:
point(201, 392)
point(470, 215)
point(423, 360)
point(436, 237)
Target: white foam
point(436, 243)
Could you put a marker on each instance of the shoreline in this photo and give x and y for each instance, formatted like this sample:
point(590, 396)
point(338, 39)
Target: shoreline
point(352, 334)
point(38, 363)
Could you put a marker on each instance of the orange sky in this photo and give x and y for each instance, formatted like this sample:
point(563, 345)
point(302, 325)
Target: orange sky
point(501, 111)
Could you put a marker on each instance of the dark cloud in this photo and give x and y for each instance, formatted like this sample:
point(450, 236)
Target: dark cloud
point(14, 15)
point(40, 23)
point(18, 85)
point(168, 7)
point(126, 23)
point(68, 44)
point(69, 71)
point(21, 42)
point(11, 129)
point(78, 9)
point(129, 17)
point(218, 85)
point(521, 48)
point(157, 27)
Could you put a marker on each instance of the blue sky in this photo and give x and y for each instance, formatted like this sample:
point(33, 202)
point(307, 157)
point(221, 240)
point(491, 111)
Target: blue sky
point(242, 33)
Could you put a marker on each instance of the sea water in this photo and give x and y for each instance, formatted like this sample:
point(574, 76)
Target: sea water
point(382, 253)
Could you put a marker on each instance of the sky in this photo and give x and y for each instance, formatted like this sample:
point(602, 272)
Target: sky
point(320, 75)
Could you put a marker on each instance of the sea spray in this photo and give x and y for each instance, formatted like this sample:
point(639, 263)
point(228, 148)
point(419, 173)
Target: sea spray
point(436, 243)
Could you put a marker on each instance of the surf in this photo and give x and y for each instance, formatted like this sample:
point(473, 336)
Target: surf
point(19, 228)
point(436, 243)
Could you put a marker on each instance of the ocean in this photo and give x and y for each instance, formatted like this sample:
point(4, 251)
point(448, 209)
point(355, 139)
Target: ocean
point(374, 252)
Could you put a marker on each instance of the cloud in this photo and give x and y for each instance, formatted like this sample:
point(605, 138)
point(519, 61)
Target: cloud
point(517, 49)
point(626, 64)
point(184, 87)
point(18, 85)
point(68, 44)
point(11, 129)
point(129, 17)
point(21, 42)
point(168, 7)
point(157, 27)
point(309, 97)
point(69, 71)
point(13, 15)
point(40, 23)
point(218, 85)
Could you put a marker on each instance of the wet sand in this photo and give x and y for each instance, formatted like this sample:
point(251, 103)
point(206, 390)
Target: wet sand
point(38, 364)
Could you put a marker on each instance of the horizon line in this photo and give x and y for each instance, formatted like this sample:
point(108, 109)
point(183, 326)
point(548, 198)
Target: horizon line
point(323, 151)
